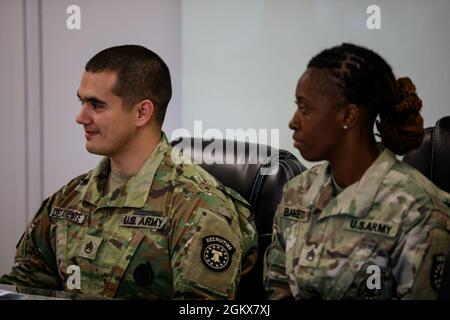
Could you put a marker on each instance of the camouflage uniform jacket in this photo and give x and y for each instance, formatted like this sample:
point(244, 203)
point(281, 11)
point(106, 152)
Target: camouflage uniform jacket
point(383, 237)
point(172, 231)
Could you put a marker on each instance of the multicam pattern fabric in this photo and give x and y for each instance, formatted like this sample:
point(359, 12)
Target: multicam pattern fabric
point(383, 237)
point(144, 240)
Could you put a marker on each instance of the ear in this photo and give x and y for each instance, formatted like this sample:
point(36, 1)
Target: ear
point(350, 116)
point(145, 111)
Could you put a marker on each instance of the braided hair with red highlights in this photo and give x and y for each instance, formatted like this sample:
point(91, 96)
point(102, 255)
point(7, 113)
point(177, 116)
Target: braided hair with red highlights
point(366, 80)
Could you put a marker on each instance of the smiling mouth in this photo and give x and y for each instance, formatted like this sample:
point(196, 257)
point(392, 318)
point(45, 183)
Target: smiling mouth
point(90, 133)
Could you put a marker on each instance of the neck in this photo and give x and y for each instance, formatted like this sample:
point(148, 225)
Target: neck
point(353, 160)
point(131, 160)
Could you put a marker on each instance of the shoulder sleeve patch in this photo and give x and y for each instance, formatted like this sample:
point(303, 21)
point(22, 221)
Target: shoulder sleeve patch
point(217, 253)
point(213, 256)
point(430, 267)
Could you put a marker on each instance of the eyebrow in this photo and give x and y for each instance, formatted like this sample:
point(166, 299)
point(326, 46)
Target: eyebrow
point(301, 98)
point(91, 99)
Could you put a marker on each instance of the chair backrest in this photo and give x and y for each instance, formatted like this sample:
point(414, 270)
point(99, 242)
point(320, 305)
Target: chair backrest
point(258, 173)
point(432, 158)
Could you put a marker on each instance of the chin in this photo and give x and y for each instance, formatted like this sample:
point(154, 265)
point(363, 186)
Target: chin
point(309, 157)
point(93, 150)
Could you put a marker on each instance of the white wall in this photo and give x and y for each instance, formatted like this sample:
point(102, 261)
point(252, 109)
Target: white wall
point(12, 123)
point(242, 59)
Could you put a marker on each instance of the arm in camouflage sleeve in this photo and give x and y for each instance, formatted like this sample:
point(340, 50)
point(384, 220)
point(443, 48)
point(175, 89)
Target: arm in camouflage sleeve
point(275, 279)
point(421, 255)
point(207, 246)
point(34, 263)
point(249, 233)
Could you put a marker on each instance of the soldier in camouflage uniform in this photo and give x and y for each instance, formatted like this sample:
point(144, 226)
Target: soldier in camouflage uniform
point(361, 225)
point(139, 225)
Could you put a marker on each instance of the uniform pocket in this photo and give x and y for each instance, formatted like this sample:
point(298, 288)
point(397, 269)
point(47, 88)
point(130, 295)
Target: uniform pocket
point(144, 267)
point(348, 280)
point(60, 230)
point(120, 264)
point(67, 239)
point(293, 223)
point(326, 259)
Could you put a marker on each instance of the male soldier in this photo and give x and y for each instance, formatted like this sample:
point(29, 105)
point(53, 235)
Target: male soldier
point(139, 225)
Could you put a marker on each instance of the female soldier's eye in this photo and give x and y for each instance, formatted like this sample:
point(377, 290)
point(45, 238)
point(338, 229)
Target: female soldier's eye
point(301, 106)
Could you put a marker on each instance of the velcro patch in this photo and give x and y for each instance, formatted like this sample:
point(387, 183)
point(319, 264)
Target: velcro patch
point(294, 213)
point(71, 215)
point(90, 246)
point(143, 275)
point(143, 221)
point(437, 270)
point(310, 254)
point(369, 226)
point(147, 213)
point(217, 253)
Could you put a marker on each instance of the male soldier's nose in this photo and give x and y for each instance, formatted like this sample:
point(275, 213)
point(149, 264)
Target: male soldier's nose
point(82, 116)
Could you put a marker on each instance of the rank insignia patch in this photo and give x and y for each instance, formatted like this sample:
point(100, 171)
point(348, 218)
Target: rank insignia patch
point(437, 269)
point(217, 253)
point(89, 247)
point(310, 254)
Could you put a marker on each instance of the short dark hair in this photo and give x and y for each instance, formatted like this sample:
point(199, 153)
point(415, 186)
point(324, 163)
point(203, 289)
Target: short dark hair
point(367, 80)
point(141, 74)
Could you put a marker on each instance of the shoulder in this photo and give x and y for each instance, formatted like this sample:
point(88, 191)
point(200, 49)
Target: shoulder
point(405, 187)
point(76, 185)
point(192, 179)
point(68, 192)
point(405, 180)
point(303, 181)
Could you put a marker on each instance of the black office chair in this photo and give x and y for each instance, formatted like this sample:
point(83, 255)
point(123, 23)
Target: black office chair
point(432, 159)
point(249, 175)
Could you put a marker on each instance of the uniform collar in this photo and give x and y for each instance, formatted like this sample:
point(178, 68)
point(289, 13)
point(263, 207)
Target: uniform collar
point(135, 192)
point(356, 199)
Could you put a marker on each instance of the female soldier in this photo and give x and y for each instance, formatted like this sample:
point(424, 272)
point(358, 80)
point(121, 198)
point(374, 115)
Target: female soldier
point(362, 224)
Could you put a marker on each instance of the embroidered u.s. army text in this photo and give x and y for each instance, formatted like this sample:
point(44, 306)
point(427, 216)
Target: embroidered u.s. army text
point(150, 221)
point(381, 228)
